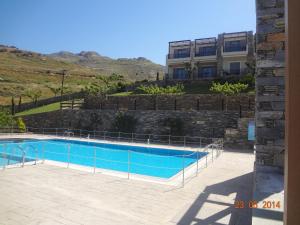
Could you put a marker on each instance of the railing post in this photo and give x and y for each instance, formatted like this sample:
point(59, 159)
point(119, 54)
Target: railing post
point(212, 154)
point(68, 155)
point(36, 155)
point(119, 136)
point(184, 141)
point(131, 137)
point(4, 155)
point(197, 162)
point(149, 136)
point(95, 160)
point(128, 165)
point(200, 142)
point(169, 139)
point(79, 133)
point(104, 135)
point(43, 151)
point(23, 158)
point(56, 132)
point(183, 167)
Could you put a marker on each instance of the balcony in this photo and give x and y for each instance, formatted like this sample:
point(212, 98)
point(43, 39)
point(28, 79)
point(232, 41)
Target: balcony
point(210, 52)
point(235, 48)
point(179, 56)
point(206, 54)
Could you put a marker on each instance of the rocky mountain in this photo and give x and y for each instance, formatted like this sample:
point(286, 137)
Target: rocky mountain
point(133, 68)
point(22, 70)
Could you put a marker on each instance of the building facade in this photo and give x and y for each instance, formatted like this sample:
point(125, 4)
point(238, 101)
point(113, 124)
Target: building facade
point(210, 58)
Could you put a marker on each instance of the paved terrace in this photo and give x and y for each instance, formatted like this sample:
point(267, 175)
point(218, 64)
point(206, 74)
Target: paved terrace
point(46, 194)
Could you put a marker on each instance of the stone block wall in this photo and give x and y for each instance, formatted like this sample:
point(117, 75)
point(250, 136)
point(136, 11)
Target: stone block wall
point(203, 123)
point(238, 137)
point(270, 72)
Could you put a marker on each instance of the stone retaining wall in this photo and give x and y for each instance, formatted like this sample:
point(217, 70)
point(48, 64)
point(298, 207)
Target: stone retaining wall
point(203, 123)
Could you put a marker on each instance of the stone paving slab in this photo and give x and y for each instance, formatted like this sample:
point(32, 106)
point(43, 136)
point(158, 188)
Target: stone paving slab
point(46, 194)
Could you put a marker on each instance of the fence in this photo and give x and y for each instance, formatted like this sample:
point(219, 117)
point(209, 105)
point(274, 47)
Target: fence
point(183, 166)
point(74, 104)
point(30, 105)
point(184, 141)
point(242, 103)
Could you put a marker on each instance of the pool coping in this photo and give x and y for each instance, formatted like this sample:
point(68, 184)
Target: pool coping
point(181, 177)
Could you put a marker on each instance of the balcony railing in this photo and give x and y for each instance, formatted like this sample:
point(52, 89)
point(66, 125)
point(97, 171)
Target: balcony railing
point(205, 53)
point(235, 48)
point(179, 56)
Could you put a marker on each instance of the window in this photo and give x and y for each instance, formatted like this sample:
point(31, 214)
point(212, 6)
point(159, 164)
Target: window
point(206, 51)
point(180, 74)
point(235, 68)
point(207, 72)
point(235, 46)
point(182, 53)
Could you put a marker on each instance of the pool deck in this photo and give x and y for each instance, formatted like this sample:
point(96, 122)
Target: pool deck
point(48, 195)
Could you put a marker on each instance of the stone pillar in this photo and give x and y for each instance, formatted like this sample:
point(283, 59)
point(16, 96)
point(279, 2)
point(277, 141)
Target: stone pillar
point(270, 72)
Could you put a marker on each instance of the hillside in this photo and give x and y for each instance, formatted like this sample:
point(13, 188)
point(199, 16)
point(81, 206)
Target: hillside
point(134, 69)
point(21, 70)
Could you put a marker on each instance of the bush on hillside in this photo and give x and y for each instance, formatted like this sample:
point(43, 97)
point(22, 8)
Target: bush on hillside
point(156, 90)
point(227, 88)
point(6, 119)
point(21, 125)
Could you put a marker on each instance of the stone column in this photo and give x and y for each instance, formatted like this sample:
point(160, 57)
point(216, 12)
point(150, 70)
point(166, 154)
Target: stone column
point(270, 73)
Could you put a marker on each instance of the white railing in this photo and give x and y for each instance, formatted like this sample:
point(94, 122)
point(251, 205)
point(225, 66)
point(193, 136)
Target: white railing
point(201, 155)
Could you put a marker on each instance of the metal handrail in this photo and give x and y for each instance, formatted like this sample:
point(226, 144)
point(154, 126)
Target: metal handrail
point(215, 144)
point(23, 154)
point(35, 150)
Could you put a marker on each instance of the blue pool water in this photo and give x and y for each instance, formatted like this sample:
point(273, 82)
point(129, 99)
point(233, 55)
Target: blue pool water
point(148, 161)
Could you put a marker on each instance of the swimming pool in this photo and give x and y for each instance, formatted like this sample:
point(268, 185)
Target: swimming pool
point(149, 161)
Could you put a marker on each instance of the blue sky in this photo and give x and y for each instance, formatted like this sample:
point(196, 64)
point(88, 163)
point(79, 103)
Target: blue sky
point(119, 28)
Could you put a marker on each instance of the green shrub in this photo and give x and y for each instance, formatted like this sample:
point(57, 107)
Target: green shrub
point(248, 79)
point(106, 85)
point(227, 88)
point(156, 90)
point(21, 125)
point(6, 119)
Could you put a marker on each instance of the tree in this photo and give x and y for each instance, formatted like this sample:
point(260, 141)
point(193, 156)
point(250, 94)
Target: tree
point(106, 84)
point(13, 106)
point(189, 70)
point(54, 90)
point(34, 95)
